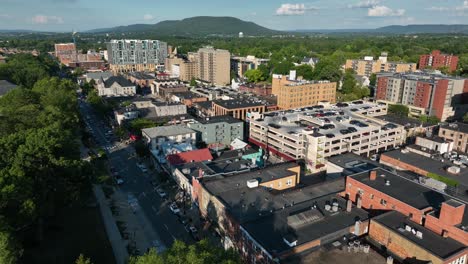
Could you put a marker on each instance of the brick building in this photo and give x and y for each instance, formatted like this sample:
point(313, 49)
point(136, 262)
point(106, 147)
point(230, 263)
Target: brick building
point(437, 60)
point(367, 66)
point(438, 95)
point(257, 89)
point(381, 190)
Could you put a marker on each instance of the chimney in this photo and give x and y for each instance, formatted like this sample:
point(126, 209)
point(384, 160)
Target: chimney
point(349, 205)
point(359, 201)
point(451, 212)
point(373, 175)
point(445, 233)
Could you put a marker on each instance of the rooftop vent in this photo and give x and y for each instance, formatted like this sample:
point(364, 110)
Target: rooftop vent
point(252, 183)
point(419, 234)
point(387, 182)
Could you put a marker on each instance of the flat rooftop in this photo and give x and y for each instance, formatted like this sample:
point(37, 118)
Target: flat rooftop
point(434, 243)
point(238, 103)
point(219, 119)
point(407, 191)
point(457, 126)
point(306, 120)
point(303, 222)
point(434, 165)
point(352, 163)
point(165, 131)
point(405, 121)
point(247, 204)
point(187, 95)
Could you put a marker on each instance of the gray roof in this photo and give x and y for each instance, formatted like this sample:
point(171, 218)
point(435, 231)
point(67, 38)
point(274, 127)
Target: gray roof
point(99, 75)
point(434, 243)
point(407, 191)
point(457, 126)
point(407, 122)
point(429, 164)
point(165, 131)
point(246, 203)
point(142, 76)
point(219, 119)
point(238, 103)
point(118, 79)
point(304, 223)
point(6, 86)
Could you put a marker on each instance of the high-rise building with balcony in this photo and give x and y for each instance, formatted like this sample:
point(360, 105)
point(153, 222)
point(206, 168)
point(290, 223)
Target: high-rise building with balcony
point(128, 55)
point(434, 94)
point(368, 66)
point(214, 66)
point(436, 60)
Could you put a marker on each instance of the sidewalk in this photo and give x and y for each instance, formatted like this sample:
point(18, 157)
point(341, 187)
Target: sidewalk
point(117, 243)
point(139, 231)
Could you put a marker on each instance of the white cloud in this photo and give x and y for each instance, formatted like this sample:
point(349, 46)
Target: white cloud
point(148, 17)
point(365, 4)
point(293, 9)
point(5, 16)
point(41, 19)
point(461, 8)
point(384, 11)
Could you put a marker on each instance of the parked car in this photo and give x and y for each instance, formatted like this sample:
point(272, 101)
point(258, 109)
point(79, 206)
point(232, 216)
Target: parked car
point(352, 129)
point(174, 209)
point(161, 193)
point(119, 180)
point(192, 229)
point(374, 157)
point(142, 167)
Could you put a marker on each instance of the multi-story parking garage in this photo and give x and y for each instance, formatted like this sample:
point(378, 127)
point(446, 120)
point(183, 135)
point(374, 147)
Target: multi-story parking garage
point(314, 133)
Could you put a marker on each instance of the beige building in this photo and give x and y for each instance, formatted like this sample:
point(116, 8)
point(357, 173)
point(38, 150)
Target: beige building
point(237, 108)
point(293, 93)
point(368, 66)
point(214, 66)
point(456, 133)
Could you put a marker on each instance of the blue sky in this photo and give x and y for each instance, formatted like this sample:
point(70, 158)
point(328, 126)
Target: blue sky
point(65, 15)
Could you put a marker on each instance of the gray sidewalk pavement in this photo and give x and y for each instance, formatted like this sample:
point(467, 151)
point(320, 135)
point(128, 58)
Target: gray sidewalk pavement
point(113, 234)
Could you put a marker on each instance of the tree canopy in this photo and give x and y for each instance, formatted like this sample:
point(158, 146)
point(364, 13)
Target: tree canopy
point(399, 110)
point(201, 252)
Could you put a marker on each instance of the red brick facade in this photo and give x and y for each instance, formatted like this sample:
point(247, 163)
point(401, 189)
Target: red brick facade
point(382, 83)
point(437, 60)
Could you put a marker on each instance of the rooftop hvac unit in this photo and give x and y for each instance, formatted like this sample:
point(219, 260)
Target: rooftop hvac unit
point(419, 234)
point(252, 183)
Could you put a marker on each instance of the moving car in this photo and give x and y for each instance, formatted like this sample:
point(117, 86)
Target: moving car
point(161, 193)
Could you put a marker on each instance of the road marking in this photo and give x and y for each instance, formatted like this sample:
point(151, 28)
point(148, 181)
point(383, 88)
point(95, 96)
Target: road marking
point(154, 209)
point(167, 228)
point(173, 237)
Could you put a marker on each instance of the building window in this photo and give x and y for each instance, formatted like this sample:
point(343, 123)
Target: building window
point(383, 202)
point(372, 196)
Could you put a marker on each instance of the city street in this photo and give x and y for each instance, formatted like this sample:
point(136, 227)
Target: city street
point(152, 209)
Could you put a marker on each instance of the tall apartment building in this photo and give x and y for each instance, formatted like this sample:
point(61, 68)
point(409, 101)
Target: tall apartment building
point(293, 93)
point(437, 60)
point(368, 65)
point(214, 66)
point(434, 94)
point(127, 55)
point(316, 134)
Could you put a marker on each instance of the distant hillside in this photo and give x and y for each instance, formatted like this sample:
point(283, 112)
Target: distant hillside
point(202, 25)
point(427, 29)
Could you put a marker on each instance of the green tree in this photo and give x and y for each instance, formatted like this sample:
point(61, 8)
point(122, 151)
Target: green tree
point(83, 260)
point(433, 120)
point(254, 76)
point(327, 69)
point(179, 252)
point(373, 79)
point(465, 118)
point(138, 124)
point(193, 82)
point(8, 253)
point(349, 82)
point(305, 70)
point(399, 110)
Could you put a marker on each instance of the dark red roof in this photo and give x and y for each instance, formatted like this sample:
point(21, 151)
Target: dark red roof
point(190, 156)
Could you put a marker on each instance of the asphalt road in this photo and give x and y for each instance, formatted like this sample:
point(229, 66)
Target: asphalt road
point(122, 158)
